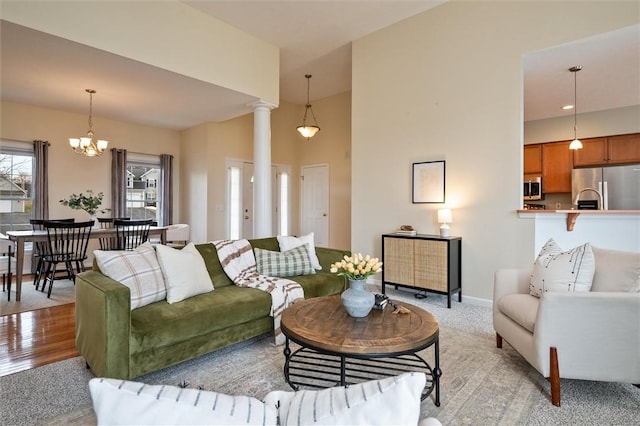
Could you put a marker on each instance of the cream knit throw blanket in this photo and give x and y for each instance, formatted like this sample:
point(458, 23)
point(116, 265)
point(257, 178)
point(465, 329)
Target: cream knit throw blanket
point(239, 263)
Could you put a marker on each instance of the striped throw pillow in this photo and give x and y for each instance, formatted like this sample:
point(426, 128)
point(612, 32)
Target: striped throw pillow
point(284, 264)
point(391, 401)
point(121, 402)
point(137, 269)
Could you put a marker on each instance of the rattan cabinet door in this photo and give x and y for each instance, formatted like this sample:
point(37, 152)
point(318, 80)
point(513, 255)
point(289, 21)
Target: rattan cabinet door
point(430, 264)
point(398, 260)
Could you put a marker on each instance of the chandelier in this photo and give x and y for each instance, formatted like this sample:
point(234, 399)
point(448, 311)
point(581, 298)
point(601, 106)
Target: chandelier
point(86, 145)
point(308, 130)
point(575, 143)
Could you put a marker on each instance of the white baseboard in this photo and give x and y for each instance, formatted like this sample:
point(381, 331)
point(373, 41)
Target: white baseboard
point(465, 299)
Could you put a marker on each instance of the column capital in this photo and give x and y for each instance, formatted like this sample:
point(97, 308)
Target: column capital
point(262, 104)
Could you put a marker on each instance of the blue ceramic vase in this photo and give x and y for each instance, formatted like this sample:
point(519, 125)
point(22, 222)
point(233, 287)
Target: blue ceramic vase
point(356, 300)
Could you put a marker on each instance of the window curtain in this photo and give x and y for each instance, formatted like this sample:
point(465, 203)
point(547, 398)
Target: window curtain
point(40, 185)
point(41, 179)
point(118, 182)
point(166, 177)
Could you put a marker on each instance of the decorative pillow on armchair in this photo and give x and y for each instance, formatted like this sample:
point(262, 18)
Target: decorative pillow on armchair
point(557, 270)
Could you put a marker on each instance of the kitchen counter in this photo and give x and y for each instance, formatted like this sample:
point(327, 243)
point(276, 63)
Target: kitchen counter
point(572, 215)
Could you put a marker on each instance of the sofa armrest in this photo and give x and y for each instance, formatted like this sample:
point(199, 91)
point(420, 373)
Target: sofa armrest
point(103, 324)
point(327, 256)
point(599, 337)
point(510, 281)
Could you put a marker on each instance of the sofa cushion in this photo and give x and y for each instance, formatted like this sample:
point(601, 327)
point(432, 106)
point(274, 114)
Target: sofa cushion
point(137, 269)
point(284, 264)
point(121, 402)
point(161, 324)
point(568, 271)
point(393, 400)
point(521, 308)
point(616, 271)
point(288, 242)
point(185, 274)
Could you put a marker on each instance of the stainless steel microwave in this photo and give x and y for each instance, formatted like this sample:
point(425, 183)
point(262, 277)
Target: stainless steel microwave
point(533, 188)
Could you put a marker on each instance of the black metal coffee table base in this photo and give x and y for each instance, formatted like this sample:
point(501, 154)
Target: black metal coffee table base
point(310, 368)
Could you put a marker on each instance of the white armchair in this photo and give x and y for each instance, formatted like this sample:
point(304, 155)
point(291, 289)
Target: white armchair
point(589, 336)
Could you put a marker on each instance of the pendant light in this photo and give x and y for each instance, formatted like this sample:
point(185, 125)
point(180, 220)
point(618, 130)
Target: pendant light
point(575, 143)
point(86, 145)
point(308, 130)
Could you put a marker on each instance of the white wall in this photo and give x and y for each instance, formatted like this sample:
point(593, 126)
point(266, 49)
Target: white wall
point(447, 85)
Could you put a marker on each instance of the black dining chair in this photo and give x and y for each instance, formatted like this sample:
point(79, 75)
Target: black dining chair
point(39, 248)
point(109, 242)
point(131, 233)
point(67, 244)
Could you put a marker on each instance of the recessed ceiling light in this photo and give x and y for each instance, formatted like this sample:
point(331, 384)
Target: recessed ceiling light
point(567, 107)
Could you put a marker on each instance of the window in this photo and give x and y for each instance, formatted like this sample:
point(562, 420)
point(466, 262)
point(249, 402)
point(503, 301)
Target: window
point(16, 185)
point(144, 200)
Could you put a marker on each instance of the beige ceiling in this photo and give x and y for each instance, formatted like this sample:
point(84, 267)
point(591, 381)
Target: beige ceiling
point(313, 37)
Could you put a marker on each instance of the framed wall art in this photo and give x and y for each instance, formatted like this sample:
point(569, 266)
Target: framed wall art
point(428, 182)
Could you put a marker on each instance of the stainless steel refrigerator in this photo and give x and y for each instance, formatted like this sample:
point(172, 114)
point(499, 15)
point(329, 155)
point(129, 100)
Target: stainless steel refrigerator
point(618, 185)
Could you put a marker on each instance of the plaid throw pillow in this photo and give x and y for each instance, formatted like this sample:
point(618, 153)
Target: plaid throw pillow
point(137, 269)
point(284, 264)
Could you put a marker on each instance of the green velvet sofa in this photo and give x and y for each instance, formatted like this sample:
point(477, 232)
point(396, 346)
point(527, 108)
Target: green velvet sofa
point(119, 343)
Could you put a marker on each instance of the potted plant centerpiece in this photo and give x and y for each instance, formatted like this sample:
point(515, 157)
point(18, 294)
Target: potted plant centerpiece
point(357, 268)
point(90, 202)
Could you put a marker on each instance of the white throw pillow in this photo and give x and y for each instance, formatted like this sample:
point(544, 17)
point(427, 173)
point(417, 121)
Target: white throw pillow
point(616, 271)
point(137, 269)
point(121, 402)
point(390, 401)
point(185, 273)
point(288, 242)
point(562, 271)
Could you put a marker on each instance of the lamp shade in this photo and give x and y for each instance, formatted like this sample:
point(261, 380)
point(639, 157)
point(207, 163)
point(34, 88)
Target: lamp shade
point(445, 216)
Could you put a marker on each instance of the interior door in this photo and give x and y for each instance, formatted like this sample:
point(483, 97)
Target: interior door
point(314, 211)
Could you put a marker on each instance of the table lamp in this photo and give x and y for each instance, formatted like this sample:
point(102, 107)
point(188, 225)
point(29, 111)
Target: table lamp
point(444, 219)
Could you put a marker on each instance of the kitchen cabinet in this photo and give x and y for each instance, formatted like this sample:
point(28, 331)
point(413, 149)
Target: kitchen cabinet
point(533, 159)
point(607, 151)
point(424, 262)
point(557, 162)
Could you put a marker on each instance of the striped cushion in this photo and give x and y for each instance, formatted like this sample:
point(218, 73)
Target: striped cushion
point(390, 401)
point(137, 269)
point(124, 402)
point(284, 264)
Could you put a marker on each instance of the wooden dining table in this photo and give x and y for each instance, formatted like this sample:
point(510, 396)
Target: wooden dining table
point(22, 237)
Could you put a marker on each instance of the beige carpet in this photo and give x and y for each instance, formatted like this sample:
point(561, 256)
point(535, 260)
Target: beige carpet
point(481, 385)
point(63, 292)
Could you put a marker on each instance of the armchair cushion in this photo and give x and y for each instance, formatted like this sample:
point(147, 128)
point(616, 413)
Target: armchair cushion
point(521, 308)
point(616, 271)
point(568, 271)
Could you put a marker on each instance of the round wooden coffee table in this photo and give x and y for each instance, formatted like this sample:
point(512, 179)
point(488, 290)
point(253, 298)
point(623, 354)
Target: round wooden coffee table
point(336, 349)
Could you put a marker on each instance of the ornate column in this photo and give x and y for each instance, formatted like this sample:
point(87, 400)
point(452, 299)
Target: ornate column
point(262, 208)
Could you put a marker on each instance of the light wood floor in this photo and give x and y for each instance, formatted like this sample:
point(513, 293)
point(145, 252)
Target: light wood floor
point(35, 338)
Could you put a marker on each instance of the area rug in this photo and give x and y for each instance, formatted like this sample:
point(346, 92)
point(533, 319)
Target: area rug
point(480, 385)
point(63, 292)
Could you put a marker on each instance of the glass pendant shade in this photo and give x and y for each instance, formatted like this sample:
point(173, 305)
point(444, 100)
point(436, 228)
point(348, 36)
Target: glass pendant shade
point(86, 145)
point(575, 144)
point(308, 131)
